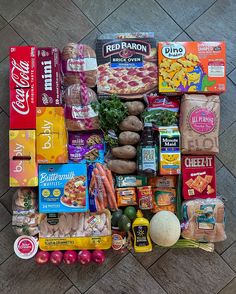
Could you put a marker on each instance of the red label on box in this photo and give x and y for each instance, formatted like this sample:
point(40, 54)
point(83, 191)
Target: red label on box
point(23, 87)
point(199, 179)
point(49, 78)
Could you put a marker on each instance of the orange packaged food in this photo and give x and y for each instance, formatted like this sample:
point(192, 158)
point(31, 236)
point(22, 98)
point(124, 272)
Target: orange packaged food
point(126, 196)
point(164, 199)
point(189, 67)
point(163, 181)
point(145, 199)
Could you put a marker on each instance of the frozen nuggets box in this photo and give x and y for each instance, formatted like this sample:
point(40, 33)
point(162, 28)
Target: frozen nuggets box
point(199, 179)
point(63, 188)
point(127, 64)
point(192, 67)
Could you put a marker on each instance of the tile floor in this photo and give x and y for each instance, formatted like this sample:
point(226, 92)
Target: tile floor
point(55, 22)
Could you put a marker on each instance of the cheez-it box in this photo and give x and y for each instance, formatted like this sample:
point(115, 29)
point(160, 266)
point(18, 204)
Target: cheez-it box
point(199, 178)
point(23, 167)
point(23, 87)
point(190, 67)
point(49, 77)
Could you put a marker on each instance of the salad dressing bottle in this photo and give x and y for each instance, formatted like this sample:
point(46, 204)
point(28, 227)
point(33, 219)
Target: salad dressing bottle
point(141, 228)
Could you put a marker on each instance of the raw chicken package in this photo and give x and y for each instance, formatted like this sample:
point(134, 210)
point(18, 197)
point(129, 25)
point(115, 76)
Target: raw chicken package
point(68, 231)
point(203, 220)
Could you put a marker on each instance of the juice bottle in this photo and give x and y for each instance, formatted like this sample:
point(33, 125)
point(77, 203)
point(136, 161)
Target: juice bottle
point(147, 152)
point(142, 241)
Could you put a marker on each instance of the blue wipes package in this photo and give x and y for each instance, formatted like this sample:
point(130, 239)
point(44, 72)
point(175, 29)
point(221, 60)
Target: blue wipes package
point(63, 188)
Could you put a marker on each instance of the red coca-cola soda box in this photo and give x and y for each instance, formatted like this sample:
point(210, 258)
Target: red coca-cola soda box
point(23, 87)
point(48, 77)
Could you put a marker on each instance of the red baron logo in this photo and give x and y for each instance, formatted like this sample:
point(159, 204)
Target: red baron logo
point(202, 120)
point(25, 246)
point(20, 76)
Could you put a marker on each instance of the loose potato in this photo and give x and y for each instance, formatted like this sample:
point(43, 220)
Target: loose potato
point(122, 167)
point(124, 152)
point(129, 138)
point(131, 123)
point(135, 107)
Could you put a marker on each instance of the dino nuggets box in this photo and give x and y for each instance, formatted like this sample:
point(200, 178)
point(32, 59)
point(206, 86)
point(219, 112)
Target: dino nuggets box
point(187, 67)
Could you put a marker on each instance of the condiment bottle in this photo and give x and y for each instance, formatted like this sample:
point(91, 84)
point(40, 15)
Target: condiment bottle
point(147, 152)
point(141, 228)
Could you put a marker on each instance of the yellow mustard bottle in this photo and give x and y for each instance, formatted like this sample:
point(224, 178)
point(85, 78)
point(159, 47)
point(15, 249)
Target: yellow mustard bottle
point(141, 230)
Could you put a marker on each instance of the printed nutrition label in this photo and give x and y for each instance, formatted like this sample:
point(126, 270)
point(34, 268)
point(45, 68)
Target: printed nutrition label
point(216, 69)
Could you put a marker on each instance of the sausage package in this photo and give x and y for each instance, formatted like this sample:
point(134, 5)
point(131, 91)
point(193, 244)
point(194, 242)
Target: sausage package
point(199, 178)
point(204, 220)
point(199, 124)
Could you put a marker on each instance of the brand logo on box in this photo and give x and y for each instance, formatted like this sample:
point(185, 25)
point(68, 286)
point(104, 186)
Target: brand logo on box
point(173, 51)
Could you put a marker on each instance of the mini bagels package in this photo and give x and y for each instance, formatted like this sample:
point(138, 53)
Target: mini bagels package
point(199, 124)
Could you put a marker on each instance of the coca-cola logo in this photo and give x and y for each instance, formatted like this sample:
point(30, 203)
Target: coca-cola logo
point(20, 75)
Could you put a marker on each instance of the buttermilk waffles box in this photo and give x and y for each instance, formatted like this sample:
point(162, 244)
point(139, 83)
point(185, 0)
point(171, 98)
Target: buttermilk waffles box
point(23, 167)
point(51, 135)
point(192, 67)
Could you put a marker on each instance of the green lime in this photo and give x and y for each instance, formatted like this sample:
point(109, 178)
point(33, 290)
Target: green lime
point(130, 211)
point(124, 223)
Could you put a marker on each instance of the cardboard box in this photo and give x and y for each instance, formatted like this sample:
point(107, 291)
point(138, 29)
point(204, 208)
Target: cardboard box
point(51, 135)
point(170, 154)
point(23, 167)
point(63, 188)
point(127, 64)
point(190, 67)
point(23, 87)
point(49, 77)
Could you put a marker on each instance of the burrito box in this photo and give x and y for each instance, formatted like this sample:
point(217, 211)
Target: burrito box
point(23, 87)
point(189, 67)
point(23, 167)
point(170, 154)
point(127, 64)
point(63, 188)
point(49, 77)
point(51, 135)
point(199, 178)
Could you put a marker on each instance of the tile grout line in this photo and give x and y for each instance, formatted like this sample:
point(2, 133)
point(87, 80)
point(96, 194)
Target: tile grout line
point(83, 13)
point(67, 278)
point(70, 289)
point(234, 242)
point(7, 258)
point(5, 225)
point(225, 286)
point(6, 191)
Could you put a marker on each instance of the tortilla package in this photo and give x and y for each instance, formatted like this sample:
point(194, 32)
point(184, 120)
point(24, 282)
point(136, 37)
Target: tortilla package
point(199, 124)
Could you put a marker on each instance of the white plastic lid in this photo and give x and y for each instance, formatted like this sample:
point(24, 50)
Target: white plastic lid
point(25, 247)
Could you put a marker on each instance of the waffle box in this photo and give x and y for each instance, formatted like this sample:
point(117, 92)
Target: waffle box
point(23, 167)
point(63, 188)
point(127, 64)
point(51, 135)
point(192, 67)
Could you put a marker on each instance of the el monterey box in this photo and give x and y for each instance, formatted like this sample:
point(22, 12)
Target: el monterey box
point(51, 135)
point(63, 188)
point(23, 87)
point(49, 77)
point(23, 167)
point(192, 67)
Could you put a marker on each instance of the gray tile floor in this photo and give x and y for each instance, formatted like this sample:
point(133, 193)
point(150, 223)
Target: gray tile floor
point(55, 22)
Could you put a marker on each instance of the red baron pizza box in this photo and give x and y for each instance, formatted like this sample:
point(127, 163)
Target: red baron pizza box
point(23, 87)
point(48, 77)
point(199, 177)
point(127, 64)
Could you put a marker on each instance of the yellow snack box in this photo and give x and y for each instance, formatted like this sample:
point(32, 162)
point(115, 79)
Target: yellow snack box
point(23, 166)
point(51, 135)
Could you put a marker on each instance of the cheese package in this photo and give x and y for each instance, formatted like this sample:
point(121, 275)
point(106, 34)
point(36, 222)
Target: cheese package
point(23, 166)
point(63, 188)
point(199, 178)
point(51, 135)
point(126, 196)
point(164, 199)
point(127, 64)
point(186, 67)
point(162, 182)
point(170, 153)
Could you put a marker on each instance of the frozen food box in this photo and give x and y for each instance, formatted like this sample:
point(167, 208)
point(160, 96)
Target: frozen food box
point(127, 64)
point(75, 231)
point(51, 135)
point(23, 166)
point(63, 188)
point(199, 178)
point(190, 67)
point(49, 77)
point(170, 152)
point(23, 87)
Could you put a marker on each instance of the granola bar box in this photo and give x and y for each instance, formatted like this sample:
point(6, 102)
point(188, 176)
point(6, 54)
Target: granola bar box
point(190, 67)
point(199, 178)
point(63, 188)
point(127, 64)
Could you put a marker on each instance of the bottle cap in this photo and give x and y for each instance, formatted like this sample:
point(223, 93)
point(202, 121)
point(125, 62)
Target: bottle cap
point(139, 213)
point(25, 247)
